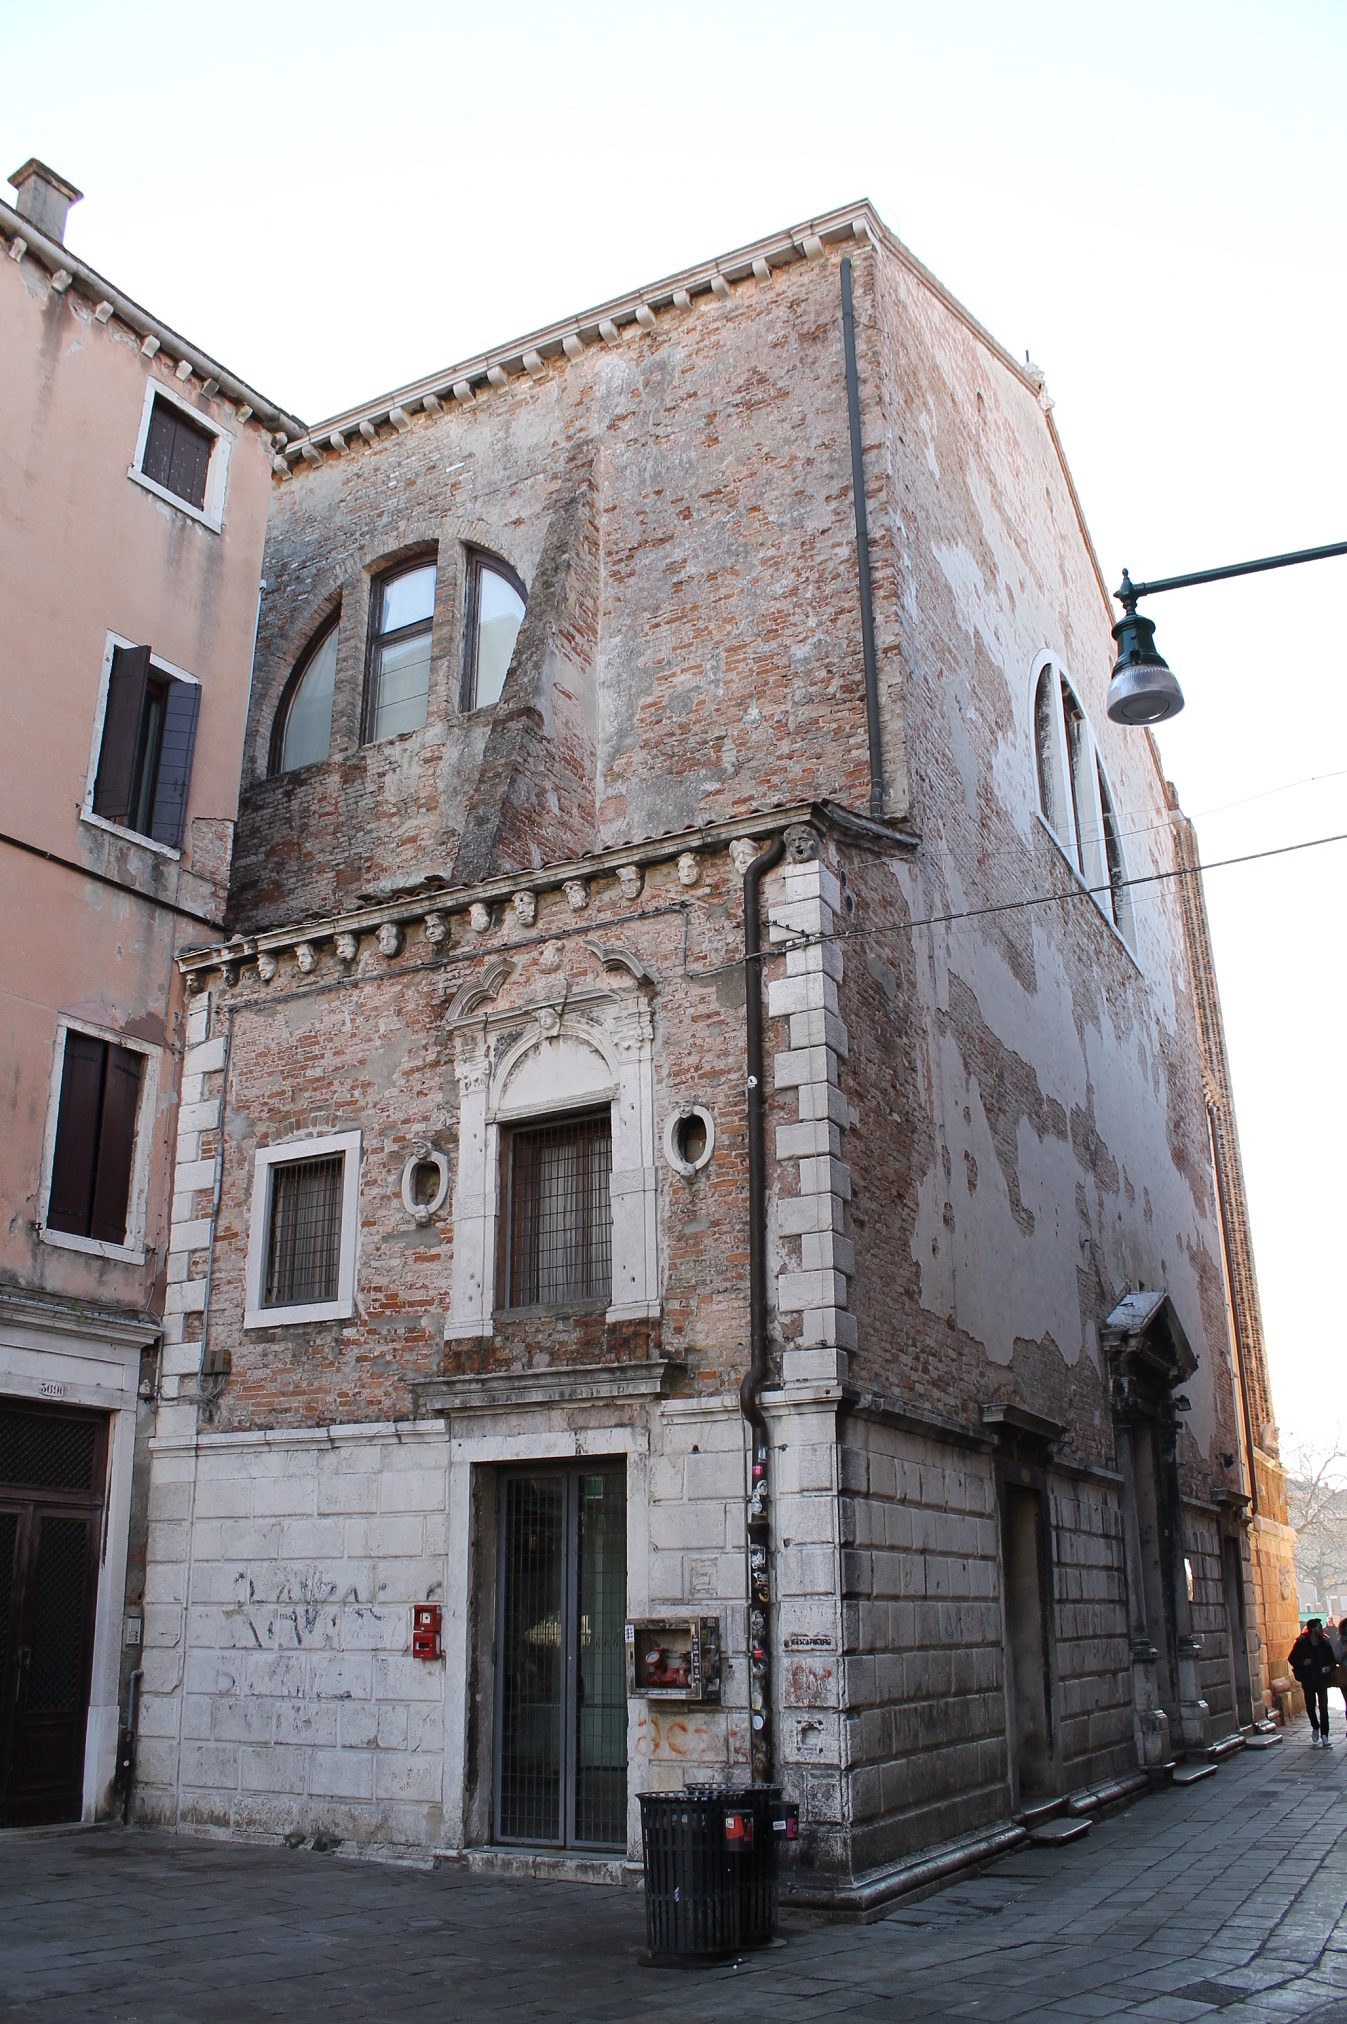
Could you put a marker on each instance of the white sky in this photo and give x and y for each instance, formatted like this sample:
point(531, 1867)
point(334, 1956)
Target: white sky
point(334, 199)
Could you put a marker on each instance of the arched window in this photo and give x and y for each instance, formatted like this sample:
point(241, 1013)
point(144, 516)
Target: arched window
point(495, 612)
point(305, 731)
point(1074, 797)
point(402, 612)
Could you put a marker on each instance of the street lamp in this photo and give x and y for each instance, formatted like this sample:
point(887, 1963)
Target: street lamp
point(1143, 691)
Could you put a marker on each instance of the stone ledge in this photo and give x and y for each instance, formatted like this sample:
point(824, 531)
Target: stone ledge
point(561, 1384)
point(553, 1865)
point(868, 1896)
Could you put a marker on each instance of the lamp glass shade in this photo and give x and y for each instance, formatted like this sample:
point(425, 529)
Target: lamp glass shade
point(1143, 691)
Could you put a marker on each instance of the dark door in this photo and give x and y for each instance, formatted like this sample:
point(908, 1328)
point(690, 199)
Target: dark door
point(1027, 1641)
point(52, 1467)
point(561, 1709)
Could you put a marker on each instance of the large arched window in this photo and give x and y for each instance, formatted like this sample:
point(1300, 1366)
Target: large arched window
point(304, 734)
point(1074, 798)
point(495, 612)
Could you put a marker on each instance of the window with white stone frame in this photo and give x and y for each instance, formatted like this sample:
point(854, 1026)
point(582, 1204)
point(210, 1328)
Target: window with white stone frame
point(303, 1231)
point(1074, 798)
point(555, 1187)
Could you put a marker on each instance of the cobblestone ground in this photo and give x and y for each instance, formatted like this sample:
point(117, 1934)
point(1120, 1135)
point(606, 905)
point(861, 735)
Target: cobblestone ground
point(1223, 1899)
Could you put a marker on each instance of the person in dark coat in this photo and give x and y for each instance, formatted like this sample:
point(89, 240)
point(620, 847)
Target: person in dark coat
point(1312, 1661)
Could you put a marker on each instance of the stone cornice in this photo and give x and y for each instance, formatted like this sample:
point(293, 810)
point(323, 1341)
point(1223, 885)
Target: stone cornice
point(556, 1385)
point(49, 1314)
point(444, 901)
point(24, 238)
point(613, 321)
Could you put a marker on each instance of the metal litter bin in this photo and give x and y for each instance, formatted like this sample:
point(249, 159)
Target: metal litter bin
point(774, 1821)
point(692, 1847)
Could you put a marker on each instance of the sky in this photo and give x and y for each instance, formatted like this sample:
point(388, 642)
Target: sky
point(1148, 200)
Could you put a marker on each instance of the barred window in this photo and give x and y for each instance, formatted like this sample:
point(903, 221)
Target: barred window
point(560, 1219)
point(304, 1238)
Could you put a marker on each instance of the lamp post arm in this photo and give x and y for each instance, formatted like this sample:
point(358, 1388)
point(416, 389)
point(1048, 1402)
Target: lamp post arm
point(1128, 592)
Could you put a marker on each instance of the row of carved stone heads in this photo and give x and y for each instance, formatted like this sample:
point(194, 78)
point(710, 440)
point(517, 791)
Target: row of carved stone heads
point(391, 935)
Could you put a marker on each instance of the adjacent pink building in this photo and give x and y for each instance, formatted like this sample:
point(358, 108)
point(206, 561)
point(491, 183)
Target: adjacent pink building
point(136, 482)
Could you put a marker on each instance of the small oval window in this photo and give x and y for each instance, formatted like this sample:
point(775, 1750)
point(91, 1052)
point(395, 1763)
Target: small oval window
point(690, 1138)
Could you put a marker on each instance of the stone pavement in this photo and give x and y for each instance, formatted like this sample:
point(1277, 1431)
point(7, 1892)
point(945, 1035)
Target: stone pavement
point(1224, 1899)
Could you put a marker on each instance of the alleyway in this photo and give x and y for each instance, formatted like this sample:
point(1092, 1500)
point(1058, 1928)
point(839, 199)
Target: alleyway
point(1224, 1899)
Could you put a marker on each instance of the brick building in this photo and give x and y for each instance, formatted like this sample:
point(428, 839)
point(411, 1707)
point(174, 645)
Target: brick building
point(510, 1157)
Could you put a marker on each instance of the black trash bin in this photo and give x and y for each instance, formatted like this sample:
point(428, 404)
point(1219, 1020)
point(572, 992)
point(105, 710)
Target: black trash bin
point(693, 1846)
point(774, 1821)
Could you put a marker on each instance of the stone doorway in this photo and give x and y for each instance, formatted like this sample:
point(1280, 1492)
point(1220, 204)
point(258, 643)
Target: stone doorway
point(561, 1706)
point(1024, 1552)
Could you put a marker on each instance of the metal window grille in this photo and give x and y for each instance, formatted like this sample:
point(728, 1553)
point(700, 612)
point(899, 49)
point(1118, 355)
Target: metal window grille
point(304, 1237)
point(44, 1452)
point(561, 1230)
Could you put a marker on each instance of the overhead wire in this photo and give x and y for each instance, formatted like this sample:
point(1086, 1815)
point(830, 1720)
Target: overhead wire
point(1075, 892)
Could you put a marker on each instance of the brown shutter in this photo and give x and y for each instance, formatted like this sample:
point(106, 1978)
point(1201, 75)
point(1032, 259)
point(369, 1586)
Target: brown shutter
point(121, 732)
point(191, 461)
point(72, 1167)
point(175, 763)
point(116, 1142)
point(157, 461)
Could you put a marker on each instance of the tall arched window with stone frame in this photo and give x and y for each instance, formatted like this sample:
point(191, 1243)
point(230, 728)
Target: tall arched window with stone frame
point(555, 1190)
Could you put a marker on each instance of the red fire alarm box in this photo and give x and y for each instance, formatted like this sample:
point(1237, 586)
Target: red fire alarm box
point(427, 1626)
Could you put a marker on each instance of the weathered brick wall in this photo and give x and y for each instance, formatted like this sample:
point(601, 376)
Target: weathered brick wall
point(361, 1046)
point(722, 624)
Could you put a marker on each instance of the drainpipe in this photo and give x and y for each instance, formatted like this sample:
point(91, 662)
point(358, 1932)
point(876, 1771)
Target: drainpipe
point(759, 1520)
point(127, 1766)
point(862, 551)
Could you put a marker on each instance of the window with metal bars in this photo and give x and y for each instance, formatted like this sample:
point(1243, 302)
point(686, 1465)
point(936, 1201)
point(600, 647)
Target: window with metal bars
point(304, 1232)
point(560, 1221)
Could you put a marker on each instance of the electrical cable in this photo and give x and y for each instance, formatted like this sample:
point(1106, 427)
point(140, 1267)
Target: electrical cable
point(1078, 892)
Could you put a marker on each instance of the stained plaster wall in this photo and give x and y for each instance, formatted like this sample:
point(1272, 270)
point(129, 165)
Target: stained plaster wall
point(1034, 1090)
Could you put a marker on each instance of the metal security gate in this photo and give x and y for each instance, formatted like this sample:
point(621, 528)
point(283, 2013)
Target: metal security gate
point(561, 1709)
point(52, 1469)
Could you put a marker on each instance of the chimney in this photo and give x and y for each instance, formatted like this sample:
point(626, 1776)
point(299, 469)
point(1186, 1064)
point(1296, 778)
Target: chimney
point(44, 197)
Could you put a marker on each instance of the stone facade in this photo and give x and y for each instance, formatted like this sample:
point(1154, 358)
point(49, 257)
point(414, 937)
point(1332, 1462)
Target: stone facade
point(1003, 1401)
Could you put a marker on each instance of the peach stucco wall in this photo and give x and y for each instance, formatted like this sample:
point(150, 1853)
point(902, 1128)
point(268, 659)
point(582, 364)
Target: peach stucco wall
point(84, 552)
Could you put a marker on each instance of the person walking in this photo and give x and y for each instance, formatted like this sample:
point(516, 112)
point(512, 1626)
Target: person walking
point(1313, 1662)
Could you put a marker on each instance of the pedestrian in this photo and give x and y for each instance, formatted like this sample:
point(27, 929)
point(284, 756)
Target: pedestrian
point(1314, 1664)
point(1337, 1637)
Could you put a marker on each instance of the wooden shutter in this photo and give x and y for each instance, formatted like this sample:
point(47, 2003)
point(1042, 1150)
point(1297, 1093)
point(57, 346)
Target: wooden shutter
point(121, 732)
point(76, 1150)
point(191, 461)
point(157, 461)
point(116, 1143)
point(175, 763)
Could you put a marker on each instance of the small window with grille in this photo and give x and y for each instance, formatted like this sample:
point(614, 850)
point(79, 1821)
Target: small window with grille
point(559, 1226)
point(301, 1253)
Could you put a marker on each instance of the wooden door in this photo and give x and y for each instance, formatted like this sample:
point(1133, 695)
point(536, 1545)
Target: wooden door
point(52, 1471)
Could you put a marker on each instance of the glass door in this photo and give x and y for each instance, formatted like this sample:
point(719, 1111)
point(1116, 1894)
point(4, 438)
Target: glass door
point(561, 1709)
